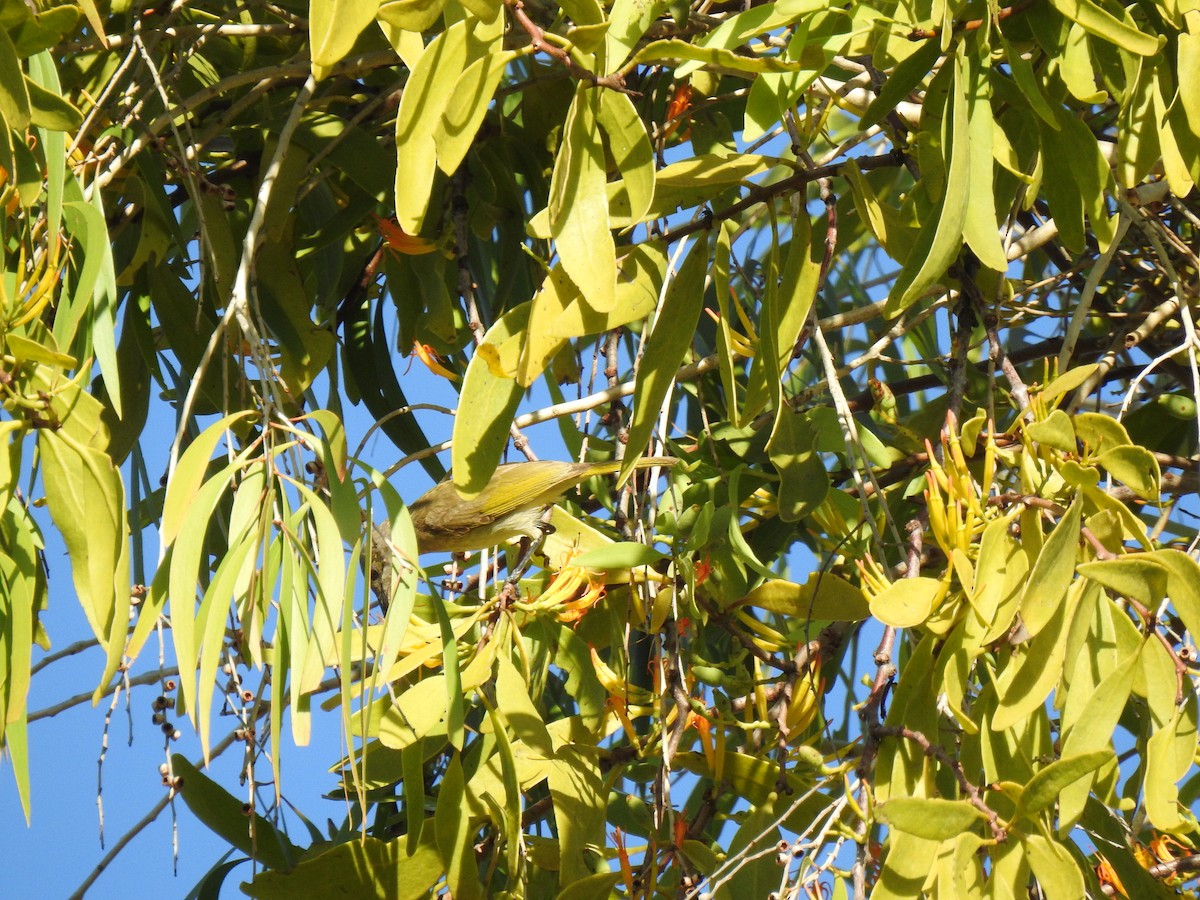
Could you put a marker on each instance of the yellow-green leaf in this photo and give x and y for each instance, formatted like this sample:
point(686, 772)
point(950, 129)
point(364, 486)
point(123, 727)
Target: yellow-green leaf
point(941, 236)
point(932, 818)
point(630, 148)
point(333, 27)
point(1134, 575)
point(908, 602)
point(1136, 467)
point(486, 410)
point(426, 97)
point(666, 349)
point(1046, 589)
point(579, 204)
point(1104, 24)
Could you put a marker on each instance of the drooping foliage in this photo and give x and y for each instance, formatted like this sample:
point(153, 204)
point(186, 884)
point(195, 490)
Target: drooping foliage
point(907, 287)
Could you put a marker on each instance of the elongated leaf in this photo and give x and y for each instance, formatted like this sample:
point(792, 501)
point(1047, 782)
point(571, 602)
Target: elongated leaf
point(362, 867)
point(226, 815)
point(905, 78)
point(334, 26)
point(785, 310)
point(941, 235)
point(1092, 732)
point(87, 503)
point(630, 148)
point(1046, 589)
point(908, 602)
point(472, 96)
point(1025, 684)
point(1169, 756)
point(425, 99)
point(579, 204)
point(14, 96)
point(189, 475)
point(1104, 24)
point(980, 229)
point(1043, 789)
point(824, 597)
point(454, 834)
point(803, 481)
point(576, 786)
point(485, 413)
point(715, 56)
point(931, 818)
point(1056, 872)
point(666, 349)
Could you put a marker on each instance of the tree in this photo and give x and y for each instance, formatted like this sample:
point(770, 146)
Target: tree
point(907, 288)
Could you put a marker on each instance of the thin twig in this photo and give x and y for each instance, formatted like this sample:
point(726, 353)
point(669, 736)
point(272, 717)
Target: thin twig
point(140, 825)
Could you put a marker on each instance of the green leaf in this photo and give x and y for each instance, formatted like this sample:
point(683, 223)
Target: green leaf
point(473, 96)
point(941, 236)
point(620, 555)
point(14, 95)
point(1183, 586)
point(228, 817)
point(905, 78)
point(627, 22)
point(26, 350)
point(591, 887)
point(630, 148)
point(411, 15)
point(908, 602)
point(672, 49)
point(980, 228)
point(666, 349)
point(1046, 589)
point(824, 597)
point(1092, 731)
point(333, 27)
point(578, 794)
point(1132, 575)
point(426, 97)
point(363, 867)
point(1103, 24)
point(1044, 788)
point(803, 481)
point(1031, 88)
point(41, 30)
point(87, 503)
point(104, 301)
point(485, 412)
point(1027, 681)
point(1100, 433)
point(579, 204)
point(931, 818)
point(50, 110)
point(1054, 868)
point(1136, 467)
point(519, 711)
point(785, 309)
point(1169, 756)
point(210, 622)
point(1056, 431)
point(189, 475)
point(455, 835)
point(416, 713)
point(1188, 69)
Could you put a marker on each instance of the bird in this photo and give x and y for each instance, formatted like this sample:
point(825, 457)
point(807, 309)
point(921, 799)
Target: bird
point(510, 506)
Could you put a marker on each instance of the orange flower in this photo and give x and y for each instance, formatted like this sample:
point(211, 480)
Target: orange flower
point(425, 354)
point(401, 241)
point(1106, 875)
point(680, 103)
